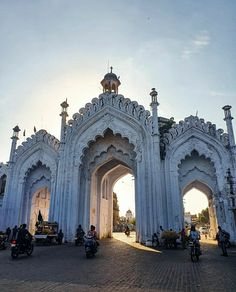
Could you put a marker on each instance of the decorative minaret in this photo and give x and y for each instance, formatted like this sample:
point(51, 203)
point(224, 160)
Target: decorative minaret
point(154, 104)
point(64, 115)
point(14, 138)
point(110, 82)
point(228, 119)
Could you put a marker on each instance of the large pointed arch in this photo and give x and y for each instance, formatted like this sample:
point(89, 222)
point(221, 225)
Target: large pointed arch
point(182, 146)
point(108, 118)
point(38, 149)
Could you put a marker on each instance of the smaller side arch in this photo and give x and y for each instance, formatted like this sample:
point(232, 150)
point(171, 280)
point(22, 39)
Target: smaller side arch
point(208, 192)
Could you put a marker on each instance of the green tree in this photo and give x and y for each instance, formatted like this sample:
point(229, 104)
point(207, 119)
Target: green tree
point(203, 217)
point(133, 221)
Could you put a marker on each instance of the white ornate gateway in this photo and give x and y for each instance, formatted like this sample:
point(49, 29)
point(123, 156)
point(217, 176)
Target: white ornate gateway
point(71, 181)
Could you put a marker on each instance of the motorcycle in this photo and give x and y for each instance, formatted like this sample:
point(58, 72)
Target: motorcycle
point(21, 248)
point(195, 251)
point(127, 232)
point(79, 240)
point(90, 245)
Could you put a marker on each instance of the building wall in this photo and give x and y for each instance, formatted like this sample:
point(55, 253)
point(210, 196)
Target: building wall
point(194, 150)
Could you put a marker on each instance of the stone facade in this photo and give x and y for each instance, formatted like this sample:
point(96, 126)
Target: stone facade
point(108, 138)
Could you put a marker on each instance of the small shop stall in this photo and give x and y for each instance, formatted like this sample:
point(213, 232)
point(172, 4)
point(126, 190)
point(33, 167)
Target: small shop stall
point(46, 232)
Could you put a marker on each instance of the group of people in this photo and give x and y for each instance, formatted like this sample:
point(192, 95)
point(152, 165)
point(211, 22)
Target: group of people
point(19, 233)
point(194, 235)
point(22, 235)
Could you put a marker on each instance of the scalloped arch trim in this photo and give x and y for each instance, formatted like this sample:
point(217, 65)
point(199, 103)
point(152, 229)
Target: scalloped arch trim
point(40, 136)
point(117, 101)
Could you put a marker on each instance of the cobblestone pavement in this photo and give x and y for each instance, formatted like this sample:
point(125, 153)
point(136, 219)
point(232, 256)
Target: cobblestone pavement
point(118, 266)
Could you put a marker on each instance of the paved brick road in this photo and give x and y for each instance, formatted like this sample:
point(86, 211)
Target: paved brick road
point(118, 266)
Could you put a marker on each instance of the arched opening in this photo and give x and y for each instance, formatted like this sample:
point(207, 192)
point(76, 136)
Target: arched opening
point(40, 202)
point(124, 209)
point(105, 161)
point(36, 196)
point(199, 208)
point(102, 188)
point(196, 172)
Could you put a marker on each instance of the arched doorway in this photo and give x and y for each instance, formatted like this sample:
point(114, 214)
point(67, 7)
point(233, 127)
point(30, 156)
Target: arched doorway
point(105, 161)
point(125, 205)
point(40, 202)
point(198, 172)
point(204, 190)
point(37, 195)
point(103, 181)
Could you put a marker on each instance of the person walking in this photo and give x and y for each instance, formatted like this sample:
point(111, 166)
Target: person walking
point(60, 237)
point(8, 233)
point(14, 232)
point(222, 238)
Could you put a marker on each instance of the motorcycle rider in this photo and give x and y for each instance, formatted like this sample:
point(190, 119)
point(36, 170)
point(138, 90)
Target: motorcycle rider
point(80, 232)
point(24, 237)
point(195, 236)
point(93, 233)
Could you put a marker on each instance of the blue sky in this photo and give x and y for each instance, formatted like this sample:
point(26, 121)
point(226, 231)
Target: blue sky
point(56, 49)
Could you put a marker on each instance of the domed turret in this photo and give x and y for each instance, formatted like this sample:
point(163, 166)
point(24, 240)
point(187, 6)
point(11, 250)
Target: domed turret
point(110, 83)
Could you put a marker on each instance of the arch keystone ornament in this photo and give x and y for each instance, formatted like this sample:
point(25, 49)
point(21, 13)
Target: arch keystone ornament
point(73, 177)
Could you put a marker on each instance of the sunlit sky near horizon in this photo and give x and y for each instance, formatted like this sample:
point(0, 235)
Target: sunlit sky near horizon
point(52, 49)
point(194, 200)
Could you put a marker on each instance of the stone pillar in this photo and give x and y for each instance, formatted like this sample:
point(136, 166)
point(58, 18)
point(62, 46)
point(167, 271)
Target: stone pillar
point(14, 138)
point(154, 104)
point(228, 119)
point(154, 158)
point(63, 115)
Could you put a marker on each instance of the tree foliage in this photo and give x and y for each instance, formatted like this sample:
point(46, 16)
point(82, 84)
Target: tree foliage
point(203, 217)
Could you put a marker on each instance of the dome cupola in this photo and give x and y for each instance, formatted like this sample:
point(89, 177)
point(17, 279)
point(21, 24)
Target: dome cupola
point(110, 82)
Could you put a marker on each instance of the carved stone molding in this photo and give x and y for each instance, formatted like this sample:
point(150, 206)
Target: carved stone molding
point(40, 136)
point(124, 105)
point(194, 122)
point(95, 131)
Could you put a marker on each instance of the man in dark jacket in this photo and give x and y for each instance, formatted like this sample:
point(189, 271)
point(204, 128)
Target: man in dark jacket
point(24, 237)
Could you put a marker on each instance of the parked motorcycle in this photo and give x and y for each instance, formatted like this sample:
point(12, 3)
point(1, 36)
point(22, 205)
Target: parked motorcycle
point(91, 246)
point(20, 248)
point(195, 251)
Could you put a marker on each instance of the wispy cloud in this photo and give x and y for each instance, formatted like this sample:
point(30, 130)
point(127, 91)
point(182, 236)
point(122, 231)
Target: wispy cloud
point(218, 94)
point(199, 42)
